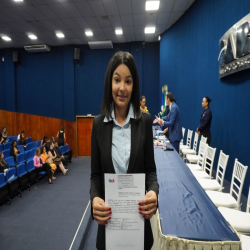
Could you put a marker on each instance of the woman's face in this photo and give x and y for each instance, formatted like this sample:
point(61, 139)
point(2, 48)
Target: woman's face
point(51, 147)
point(122, 86)
point(44, 150)
point(143, 102)
point(14, 144)
point(39, 153)
point(2, 156)
point(204, 103)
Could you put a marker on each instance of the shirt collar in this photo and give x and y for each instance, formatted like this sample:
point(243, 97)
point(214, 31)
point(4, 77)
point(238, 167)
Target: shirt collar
point(131, 114)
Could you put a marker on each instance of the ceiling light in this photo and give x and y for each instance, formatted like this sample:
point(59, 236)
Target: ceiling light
point(60, 35)
point(118, 32)
point(6, 38)
point(89, 33)
point(152, 5)
point(18, 0)
point(159, 38)
point(149, 30)
point(33, 37)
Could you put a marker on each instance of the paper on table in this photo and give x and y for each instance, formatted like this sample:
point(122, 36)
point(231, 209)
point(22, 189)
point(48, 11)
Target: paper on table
point(125, 229)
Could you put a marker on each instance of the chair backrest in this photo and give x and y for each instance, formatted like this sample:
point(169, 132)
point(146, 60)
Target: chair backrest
point(6, 153)
point(10, 173)
point(20, 158)
point(202, 154)
point(221, 168)
point(21, 149)
point(203, 139)
point(2, 179)
point(14, 138)
point(30, 165)
point(62, 149)
point(209, 160)
point(238, 178)
point(183, 133)
point(33, 150)
point(10, 161)
point(196, 137)
point(189, 138)
point(66, 147)
point(38, 143)
point(7, 145)
point(29, 139)
point(1, 147)
point(248, 202)
point(31, 145)
point(10, 139)
point(20, 169)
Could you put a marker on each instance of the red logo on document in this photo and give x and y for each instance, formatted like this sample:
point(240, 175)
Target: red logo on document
point(111, 180)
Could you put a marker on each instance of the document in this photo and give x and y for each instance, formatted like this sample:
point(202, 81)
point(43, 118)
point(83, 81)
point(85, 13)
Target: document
point(125, 229)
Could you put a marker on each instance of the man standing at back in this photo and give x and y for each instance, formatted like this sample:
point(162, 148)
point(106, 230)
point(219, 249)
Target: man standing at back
point(172, 121)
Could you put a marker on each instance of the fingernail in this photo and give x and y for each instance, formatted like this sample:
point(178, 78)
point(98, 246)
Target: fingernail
point(110, 212)
point(140, 212)
point(109, 218)
point(110, 208)
point(139, 203)
point(144, 216)
point(106, 223)
point(139, 208)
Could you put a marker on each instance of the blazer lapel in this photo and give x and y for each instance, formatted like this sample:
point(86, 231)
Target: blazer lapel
point(135, 142)
point(106, 146)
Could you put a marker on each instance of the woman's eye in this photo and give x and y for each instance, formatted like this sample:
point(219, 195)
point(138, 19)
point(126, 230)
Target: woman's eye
point(128, 82)
point(116, 80)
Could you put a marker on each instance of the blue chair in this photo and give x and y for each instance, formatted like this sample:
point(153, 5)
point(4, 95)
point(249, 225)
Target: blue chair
point(66, 148)
point(7, 145)
point(10, 161)
point(20, 158)
point(29, 155)
point(29, 139)
point(3, 189)
point(12, 182)
point(33, 152)
point(62, 149)
point(38, 143)
point(1, 147)
point(32, 172)
point(30, 146)
point(22, 176)
point(6, 153)
point(14, 138)
point(17, 143)
point(10, 139)
point(21, 149)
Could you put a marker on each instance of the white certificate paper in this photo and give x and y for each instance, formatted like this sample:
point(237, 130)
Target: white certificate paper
point(125, 229)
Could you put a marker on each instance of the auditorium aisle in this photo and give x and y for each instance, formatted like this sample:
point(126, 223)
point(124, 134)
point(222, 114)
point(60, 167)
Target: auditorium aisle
point(47, 217)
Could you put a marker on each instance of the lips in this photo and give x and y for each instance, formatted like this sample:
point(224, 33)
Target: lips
point(121, 98)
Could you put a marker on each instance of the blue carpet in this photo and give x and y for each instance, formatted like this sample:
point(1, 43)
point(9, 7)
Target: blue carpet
point(47, 217)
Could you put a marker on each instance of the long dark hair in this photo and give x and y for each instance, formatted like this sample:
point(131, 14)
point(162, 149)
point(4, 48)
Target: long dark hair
point(127, 59)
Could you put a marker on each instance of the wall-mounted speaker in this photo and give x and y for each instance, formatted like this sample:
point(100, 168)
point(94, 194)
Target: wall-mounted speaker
point(76, 54)
point(15, 56)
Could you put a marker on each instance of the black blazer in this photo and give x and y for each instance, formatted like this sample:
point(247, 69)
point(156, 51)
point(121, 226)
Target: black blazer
point(141, 161)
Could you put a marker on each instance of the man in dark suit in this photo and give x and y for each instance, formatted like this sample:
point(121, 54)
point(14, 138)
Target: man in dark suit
point(172, 121)
point(59, 154)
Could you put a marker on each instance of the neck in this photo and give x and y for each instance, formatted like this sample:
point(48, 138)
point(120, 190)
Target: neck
point(206, 108)
point(121, 114)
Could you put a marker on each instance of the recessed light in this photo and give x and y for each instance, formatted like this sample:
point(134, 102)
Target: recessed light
point(18, 0)
point(6, 38)
point(89, 33)
point(118, 32)
point(33, 37)
point(149, 30)
point(152, 5)
point(60, 35)
point(159, 38)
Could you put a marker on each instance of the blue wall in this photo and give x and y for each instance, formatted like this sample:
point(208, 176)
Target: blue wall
point(189, 66)
point(52, 85)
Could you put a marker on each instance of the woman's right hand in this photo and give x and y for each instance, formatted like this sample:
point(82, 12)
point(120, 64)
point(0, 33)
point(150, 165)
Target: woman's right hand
point(101, 212)
point(41, 165)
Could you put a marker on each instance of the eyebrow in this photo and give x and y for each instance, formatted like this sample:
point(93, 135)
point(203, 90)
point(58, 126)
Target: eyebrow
point(119, 75)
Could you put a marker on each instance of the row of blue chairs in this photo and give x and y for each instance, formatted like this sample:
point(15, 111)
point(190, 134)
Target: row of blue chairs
point(14, 138)
point(22, 156)
point(29, 145)
point(18, 179)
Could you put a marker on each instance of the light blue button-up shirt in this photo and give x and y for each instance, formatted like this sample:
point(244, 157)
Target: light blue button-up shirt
point(121, 142)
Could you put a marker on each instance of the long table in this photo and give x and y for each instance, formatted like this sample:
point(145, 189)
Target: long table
point(184, 210)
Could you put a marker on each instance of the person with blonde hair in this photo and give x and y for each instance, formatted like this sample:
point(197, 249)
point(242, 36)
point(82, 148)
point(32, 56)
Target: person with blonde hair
point(48, 159)
point(143, 107)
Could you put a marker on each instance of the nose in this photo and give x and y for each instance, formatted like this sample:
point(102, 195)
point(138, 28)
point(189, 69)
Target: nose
point(122, 86)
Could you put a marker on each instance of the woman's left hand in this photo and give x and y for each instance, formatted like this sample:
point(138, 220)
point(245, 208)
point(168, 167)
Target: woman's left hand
point(148, 206)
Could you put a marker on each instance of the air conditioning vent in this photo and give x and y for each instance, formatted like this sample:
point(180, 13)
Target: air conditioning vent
point(101, 44)
point(37, 48)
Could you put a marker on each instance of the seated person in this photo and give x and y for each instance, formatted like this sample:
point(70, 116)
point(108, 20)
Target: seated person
point(48, 159)
point(44, 140)
point(3, 164)
point(14, 151)
point(22, 141)
point(49, 142)
point(56, 160)
point(41, 166)
point(5, 135)
point(1, 139)
point(19, 136)
point(59, 154)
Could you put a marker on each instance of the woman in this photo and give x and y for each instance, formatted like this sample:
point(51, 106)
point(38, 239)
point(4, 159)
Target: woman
point(3, 164)
point(143, 104)
point(44, 140)
point(22, 141)
point(206, 119)
point(57, 161)
point(61, 137)
point(120, 111)
point(14, 151)
point(40, 165)
point(46, 158)
point(1, 139)
point(5, 135)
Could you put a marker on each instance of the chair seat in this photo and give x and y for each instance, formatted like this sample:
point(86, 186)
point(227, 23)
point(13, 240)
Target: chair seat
point(192, 158)
point(208, 184)
point(245, 242)
point(200, 174)
point(222, 199)
point(182, 147)
point(194, 167)
point(188, 151)
point(238, 219)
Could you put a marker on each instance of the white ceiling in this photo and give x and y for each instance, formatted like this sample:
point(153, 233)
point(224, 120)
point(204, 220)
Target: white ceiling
point(44, 18)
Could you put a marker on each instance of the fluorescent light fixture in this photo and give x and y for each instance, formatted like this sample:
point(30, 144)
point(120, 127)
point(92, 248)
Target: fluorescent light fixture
point(60, 35)
point(152, 5)
point(118, 32)
point(89, 33)
point(159, 38)
point(18, 0)
point(33, 37)
point(149, 30)
point(6, 38)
